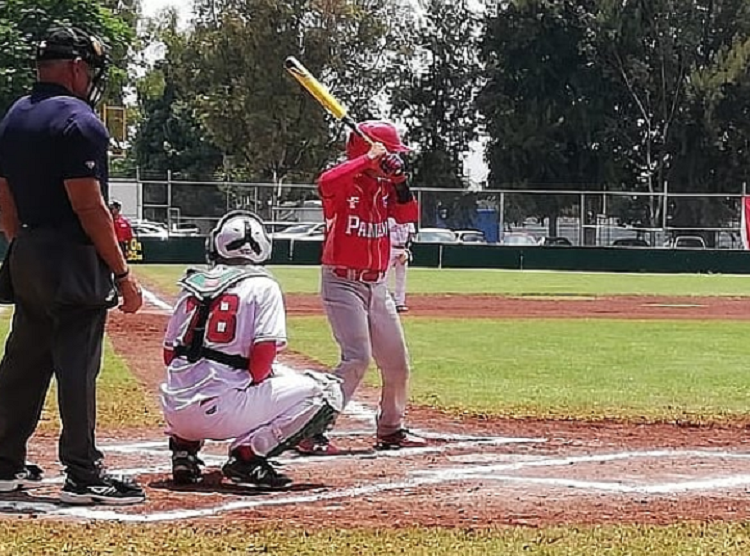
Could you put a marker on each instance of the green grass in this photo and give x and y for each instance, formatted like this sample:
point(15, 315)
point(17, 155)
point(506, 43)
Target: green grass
point(589, 369)
point(296, 279)
point(45, 538)
point(121, 400)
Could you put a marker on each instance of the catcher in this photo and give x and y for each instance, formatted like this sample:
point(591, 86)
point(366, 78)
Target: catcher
point(219, 348)
point(401, 237)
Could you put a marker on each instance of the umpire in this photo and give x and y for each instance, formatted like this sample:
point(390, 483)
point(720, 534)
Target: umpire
point(63, 269)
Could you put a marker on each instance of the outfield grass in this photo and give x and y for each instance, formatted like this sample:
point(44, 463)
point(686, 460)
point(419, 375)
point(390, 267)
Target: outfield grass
point(297, 279)
point(121, 399)
point(588, 369)
point(33, 537)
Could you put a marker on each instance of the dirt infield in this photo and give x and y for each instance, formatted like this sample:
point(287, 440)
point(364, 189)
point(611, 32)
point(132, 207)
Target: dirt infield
point(475, 472)
point(619, 307)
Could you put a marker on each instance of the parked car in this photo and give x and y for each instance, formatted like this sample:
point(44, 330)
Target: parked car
point(436, 235)
point(688, 242)
point(556, 241)
point(313, 231)
point(470, 236)
point(185, 230)
point(630, 242)
point(143, 229)
point(519, 239)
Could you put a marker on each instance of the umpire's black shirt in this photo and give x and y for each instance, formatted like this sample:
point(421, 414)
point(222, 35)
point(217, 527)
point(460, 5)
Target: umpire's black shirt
point(46, 138)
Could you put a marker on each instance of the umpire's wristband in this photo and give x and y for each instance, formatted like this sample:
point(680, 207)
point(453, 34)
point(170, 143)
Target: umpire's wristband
point(121, 277)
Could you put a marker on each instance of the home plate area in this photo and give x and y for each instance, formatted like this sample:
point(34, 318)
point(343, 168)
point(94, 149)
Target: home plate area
point(457, 479)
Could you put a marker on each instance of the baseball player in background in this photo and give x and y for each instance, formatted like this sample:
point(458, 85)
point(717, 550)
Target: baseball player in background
point(359, 196)
point(401, 236)
point(227, 327)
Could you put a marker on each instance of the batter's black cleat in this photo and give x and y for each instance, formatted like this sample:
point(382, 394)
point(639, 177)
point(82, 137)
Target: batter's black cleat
point(402, 438)
point(186, 468)
point(255, 472)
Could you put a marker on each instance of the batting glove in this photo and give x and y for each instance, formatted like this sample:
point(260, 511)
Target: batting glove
point(392, 165)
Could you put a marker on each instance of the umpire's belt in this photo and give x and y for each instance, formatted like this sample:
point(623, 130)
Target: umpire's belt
point(235, 361)
point(398, 246)
point(359, 275)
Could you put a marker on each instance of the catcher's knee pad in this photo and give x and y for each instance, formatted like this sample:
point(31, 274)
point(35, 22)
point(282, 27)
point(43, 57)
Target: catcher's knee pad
point(318, 422)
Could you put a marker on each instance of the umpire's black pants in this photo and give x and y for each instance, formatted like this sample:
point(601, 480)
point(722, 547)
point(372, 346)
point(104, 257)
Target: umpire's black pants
point(49, 339)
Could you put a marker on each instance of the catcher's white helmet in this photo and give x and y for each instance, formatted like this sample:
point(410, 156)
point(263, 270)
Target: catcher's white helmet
point(239, 238)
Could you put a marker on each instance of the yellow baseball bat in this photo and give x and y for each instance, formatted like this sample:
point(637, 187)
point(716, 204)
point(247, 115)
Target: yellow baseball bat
point(321, 93)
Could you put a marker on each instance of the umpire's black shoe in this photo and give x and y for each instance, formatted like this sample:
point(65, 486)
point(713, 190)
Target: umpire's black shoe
point(31, 475)
point(106, 490)
point(255, 472)
point(186, 468)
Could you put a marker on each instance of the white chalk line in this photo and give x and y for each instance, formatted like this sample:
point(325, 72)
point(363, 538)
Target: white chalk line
point(210, 459)
point(733, 481)
point(155, 300)
point(444, 476)
point(482, 470)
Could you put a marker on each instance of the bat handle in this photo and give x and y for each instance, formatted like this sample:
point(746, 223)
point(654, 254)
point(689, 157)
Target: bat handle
point(351, 124)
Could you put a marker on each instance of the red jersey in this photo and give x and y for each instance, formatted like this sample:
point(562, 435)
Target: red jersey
point(123, 231)
point(356, 208)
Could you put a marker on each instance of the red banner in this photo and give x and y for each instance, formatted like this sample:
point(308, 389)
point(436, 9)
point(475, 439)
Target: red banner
point(745, 223)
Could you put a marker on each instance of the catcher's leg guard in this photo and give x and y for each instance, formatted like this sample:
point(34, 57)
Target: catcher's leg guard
point(316, 400)
point(319, 423)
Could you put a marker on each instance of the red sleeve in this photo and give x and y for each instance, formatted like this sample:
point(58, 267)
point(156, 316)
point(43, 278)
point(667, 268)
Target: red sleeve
point(261, 359)
point(404, 212)
point(330, 180)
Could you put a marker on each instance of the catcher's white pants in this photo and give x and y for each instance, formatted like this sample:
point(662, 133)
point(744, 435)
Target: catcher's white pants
point(397, 269)
point(261, 416)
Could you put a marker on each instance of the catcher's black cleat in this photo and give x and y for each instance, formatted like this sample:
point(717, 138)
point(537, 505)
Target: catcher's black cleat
point(186, 468)
point(186, 465)
point(255, 472)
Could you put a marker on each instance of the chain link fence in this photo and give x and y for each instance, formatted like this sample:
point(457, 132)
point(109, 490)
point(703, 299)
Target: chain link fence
point(580, 217)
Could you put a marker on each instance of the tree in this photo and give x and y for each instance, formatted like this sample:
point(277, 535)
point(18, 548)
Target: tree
point(543, 103)
point(23, 24)
point(434, 95)
point(678, 69)
point(259, 116)
point(169, 138)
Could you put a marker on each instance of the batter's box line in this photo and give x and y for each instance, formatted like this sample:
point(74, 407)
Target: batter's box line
point(426, 479)
point(302, 461)
point(485, 470)
point(733, 481)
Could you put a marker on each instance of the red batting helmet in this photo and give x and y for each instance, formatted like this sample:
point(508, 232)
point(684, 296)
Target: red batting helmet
point(379, 131)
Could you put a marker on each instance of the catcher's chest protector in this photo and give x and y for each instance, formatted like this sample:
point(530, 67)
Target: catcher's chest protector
point(208, 286)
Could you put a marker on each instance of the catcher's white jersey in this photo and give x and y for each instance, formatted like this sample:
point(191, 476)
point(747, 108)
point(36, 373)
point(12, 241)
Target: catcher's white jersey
point(247, 313)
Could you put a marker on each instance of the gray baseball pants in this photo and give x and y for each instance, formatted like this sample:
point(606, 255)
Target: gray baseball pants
point(366, 325)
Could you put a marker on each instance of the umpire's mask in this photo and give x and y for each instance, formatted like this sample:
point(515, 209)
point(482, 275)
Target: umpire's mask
point(71, 43)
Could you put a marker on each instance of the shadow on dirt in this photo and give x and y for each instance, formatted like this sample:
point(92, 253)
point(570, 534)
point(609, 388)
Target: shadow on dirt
point(214, 483)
